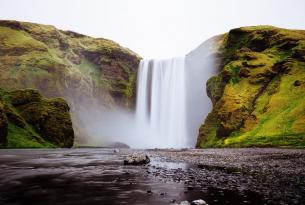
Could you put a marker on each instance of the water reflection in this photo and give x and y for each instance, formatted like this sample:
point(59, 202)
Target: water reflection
point(98, 176)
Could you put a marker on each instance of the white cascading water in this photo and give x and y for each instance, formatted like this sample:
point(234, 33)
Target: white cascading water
point(161, 103)
point(171, 105)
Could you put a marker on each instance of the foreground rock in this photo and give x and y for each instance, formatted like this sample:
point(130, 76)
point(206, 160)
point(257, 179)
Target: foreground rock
point(28, 120)
point(195, 202)
point(199, 202)
point(137, 159)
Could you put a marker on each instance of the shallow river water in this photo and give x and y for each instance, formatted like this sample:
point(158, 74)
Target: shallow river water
point(98, 176)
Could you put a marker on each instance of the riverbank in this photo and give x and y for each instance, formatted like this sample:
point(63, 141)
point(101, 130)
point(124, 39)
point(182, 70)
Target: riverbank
point(98, 176)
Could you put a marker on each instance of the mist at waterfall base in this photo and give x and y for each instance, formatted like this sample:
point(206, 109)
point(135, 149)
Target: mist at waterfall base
point(171, 105)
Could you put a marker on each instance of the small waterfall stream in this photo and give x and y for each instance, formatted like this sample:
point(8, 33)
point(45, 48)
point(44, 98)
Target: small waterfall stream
point(161, 102)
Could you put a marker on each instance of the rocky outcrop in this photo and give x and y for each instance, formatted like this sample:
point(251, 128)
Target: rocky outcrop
point(85, 71)
point(28, 120)
point(258, 93)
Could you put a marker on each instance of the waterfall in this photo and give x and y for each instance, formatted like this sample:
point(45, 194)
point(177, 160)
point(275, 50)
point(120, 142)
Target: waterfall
point(171, 104)
point(161, 103)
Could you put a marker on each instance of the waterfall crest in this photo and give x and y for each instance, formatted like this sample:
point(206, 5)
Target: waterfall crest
point(161, 102)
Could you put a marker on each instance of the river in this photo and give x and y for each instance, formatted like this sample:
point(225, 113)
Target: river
point(98, 176)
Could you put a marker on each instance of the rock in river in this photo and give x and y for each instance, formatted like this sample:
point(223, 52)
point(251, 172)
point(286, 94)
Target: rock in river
point(137, 159)
point(199, 202)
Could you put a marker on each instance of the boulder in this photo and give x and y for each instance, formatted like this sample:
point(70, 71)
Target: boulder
point(199, 202)
point(137, 159)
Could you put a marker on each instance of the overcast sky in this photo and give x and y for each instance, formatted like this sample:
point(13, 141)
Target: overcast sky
point(156, 28)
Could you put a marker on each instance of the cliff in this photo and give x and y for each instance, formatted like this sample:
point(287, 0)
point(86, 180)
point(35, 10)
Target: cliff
point(258, 92)
point(28, 120)
point(88, 72)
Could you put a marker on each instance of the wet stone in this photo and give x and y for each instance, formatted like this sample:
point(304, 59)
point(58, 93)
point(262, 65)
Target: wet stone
point(199, 202)
point(137, 159)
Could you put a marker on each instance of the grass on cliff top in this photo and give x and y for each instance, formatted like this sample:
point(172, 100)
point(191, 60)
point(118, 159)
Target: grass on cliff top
point(47, 33)
point(46, 61)
point(14, 39)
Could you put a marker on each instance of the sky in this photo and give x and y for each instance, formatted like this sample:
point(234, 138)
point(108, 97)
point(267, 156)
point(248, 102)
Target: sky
point(156, 28)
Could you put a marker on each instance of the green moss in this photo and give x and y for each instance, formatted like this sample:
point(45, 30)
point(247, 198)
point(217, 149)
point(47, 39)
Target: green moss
point(34, 121)
point(21, 138)
point(17, 40)
point(258, 78)
point(235, 74)
point(66, 64)
point(60, 62)
point(90, 70)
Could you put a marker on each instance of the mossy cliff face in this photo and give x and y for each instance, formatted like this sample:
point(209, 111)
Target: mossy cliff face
point(86, 71)
point(64, 63)
point(28, 120)
point(258, 95)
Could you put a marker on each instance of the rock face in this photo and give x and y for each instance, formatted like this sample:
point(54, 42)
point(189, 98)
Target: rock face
point(85, 71)
point(258, 94)
point(137, 159)
point(3, 126)
point(28, 120)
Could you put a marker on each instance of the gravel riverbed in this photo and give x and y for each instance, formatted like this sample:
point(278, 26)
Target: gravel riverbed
point(98, 176)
